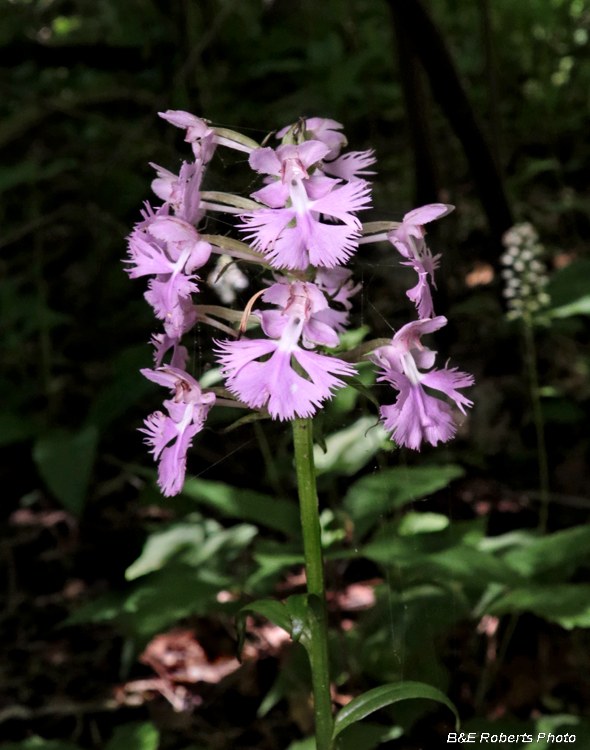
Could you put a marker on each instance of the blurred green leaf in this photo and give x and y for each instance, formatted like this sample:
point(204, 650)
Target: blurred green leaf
point(422, 523)
point(580, 306)
point(569, 285)
point(30, 171)
point(561, 552)
point(192, 543)
point(375, 494)
point(562, 411)
point(466, 564)
point(366, 736)
point(307, 744)
point(155, 602)
point(39, 743)
point(65, 459)
point(247, 505)
point(140, 736)
point(350, 449)
point(565, 603)
point(380, 697)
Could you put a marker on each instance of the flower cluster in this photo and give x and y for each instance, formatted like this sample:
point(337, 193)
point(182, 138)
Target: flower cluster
point(302, 226)
point(524, 272)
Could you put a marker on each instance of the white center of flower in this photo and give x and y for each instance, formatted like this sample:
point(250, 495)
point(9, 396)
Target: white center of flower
point(299, 199)
point(411, 369)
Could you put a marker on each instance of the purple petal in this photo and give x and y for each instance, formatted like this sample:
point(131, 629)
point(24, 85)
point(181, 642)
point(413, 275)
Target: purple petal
point(354, 196)
point(318, 185)
point(160, 430)
point(422, 297)
point(351, 166)
point(426, 214)
point(415, 416)
point(278, 294)
point(265, 161)
point(448, 380)
point(311, 152)
point(319, 332)
point(199, 255)
point(265, 226)
point(173, 229)
point(172, 468)
point(330, 245)
point(147, 258)
point(273, 323)
point(274, 194)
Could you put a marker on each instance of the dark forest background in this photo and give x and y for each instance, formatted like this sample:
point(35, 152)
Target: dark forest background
point(113, 632)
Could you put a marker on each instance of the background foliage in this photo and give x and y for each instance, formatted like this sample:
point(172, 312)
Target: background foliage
point(435, 567)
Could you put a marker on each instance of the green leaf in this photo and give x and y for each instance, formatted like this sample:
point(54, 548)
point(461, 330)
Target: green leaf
point(350, 449)
point(383, 696)
point(192, 543)
point(247, 505)
point(366, 736)
point(256, 416)
point(580, 306)
point(379, 493)
point(422, 523)
point(566, 603)
point(568, 285)
point(274, 611)
point(466, 564)
point(39, 743)
point(155, 602)
point(64, 460)
point(358, 385)
point(297, 608)
point(307, 744)
point(562, 551)
point(136, 736)
point(350, 339)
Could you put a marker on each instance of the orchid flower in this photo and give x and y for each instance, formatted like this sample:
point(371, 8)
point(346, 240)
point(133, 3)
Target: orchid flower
point(289, 231)
point(417, 417)
point(275, 383)
point(171, 435)
point(408, 238)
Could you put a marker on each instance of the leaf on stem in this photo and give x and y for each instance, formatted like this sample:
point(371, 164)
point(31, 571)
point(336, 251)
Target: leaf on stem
point(385, 695)
point(276, 612)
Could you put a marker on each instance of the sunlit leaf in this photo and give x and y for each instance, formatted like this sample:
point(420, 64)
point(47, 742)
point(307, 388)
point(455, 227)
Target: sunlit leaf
point(380, 493)
point(192, 543)
point(247, 505)
point(422, 523)
point(350, 449)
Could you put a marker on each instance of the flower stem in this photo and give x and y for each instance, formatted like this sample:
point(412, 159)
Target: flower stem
point(531, 363)
point(310, 523)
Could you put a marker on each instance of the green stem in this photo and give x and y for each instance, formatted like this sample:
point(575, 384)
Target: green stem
point(314, 569)
point(531, 362)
